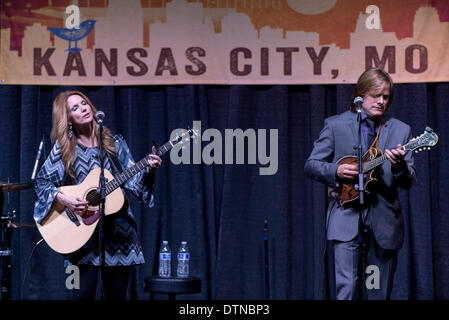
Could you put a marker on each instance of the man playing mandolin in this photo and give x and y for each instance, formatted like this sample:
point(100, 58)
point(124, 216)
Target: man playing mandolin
point(382, 220)
point(74, 156)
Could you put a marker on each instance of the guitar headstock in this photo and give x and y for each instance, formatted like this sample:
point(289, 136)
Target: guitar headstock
point(194, 134)
point(423, 142)
point(184, 136)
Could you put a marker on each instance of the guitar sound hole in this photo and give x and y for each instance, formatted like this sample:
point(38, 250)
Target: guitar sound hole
point(93, 198)
point(92, 213)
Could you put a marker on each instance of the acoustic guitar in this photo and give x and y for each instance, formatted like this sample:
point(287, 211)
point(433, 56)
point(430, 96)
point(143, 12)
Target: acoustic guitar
point(65, 231)
point(372, 159)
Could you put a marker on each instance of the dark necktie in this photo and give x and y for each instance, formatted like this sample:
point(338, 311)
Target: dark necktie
point(371, 131)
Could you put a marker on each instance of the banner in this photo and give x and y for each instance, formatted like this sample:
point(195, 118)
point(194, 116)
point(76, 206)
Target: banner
point(142, 42)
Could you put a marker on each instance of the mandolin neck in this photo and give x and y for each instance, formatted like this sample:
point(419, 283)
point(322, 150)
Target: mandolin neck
point(370, 165)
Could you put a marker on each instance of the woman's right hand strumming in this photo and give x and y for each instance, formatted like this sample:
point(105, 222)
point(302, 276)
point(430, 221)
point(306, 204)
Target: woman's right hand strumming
point(75, 204)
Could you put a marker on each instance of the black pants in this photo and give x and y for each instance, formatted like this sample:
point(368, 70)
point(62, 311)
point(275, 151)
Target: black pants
point(114, 283)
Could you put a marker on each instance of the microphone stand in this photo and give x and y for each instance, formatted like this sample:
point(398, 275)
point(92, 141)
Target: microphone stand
point(102, 192)
point(5, 253)
point(6, 250)
point(361, 188)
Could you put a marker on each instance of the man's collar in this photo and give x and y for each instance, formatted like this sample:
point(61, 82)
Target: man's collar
point(376, 120)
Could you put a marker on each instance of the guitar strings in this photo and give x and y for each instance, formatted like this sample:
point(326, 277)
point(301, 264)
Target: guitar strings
point(93, 198)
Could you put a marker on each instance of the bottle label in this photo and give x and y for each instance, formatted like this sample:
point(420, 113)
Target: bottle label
point(165, 256)
point(183, 256)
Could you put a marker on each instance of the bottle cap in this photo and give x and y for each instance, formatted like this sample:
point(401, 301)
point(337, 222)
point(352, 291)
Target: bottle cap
point(183, 242)
point(165, 242)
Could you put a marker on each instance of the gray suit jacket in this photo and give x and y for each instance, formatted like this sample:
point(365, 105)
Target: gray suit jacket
point(338, 138)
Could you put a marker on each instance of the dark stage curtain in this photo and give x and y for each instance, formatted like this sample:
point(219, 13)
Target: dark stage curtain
point(220, 209)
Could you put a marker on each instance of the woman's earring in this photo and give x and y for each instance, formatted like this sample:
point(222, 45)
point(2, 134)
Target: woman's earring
point(70, 133)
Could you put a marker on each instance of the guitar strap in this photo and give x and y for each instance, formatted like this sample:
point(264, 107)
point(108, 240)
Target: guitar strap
point(113, 159)
point(66, 180)
point(115, 163)
point(117, 167)
point(375, 142)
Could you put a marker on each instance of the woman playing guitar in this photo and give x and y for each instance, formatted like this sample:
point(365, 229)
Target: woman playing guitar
point(73, 156)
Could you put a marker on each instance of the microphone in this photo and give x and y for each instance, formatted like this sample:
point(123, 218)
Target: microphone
point(38, 156)
point(100, 117)
point(358, 103)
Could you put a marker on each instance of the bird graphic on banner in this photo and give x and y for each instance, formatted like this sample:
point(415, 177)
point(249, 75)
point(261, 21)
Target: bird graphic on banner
point(74, 34)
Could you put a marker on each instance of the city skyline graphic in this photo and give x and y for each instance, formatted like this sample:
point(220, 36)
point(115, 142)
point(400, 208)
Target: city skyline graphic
point(283, 41)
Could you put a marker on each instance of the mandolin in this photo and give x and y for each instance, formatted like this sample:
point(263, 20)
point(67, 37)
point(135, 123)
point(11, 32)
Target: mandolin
point(371, 160)
point(65, 231)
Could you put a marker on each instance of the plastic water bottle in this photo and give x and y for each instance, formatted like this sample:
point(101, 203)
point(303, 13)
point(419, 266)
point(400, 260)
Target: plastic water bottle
point(183, 260)
point(165, 260)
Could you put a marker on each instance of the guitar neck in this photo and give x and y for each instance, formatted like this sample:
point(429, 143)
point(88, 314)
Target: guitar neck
point(136, 168)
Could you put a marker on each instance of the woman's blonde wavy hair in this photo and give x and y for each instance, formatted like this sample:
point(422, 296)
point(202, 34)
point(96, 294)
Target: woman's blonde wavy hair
point(60, 129)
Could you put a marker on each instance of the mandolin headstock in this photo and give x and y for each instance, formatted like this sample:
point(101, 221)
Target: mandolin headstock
point(423, 142)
